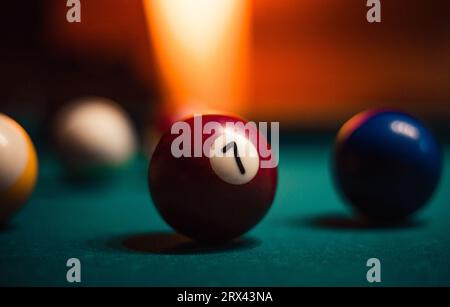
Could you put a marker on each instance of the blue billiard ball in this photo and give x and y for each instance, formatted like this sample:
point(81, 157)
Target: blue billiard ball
point(386, 163)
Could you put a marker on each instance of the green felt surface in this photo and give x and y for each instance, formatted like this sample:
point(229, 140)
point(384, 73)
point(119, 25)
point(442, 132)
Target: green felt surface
point(308, 237)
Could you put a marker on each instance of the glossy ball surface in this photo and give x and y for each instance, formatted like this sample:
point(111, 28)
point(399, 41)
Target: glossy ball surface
point(387, 164)
point(212, 199)
point(18, 167)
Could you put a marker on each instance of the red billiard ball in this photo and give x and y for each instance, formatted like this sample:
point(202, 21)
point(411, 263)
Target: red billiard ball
point(220, 194)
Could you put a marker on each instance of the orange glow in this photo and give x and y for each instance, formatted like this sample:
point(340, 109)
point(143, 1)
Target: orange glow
point(315, 63)
point(353, 123)
point(201, 48)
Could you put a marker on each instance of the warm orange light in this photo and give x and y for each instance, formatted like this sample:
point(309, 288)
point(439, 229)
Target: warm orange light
point(201, 48)
point(354, 123)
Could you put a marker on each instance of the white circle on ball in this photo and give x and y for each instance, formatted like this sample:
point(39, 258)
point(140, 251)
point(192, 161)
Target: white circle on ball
point(234, 158)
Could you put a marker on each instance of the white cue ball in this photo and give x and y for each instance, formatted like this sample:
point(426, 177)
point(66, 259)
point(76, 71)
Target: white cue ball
point(94, 133)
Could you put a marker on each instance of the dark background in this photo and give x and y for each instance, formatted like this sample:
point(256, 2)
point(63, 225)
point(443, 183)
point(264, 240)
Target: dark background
point(312, 65)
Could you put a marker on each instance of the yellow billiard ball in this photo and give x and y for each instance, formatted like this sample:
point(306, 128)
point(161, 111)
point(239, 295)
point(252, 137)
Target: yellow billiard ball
point(18, 167)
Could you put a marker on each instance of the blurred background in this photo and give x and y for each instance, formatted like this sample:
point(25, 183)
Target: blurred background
point(308, 64)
